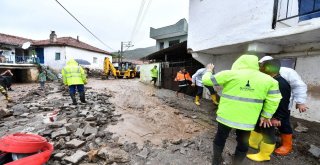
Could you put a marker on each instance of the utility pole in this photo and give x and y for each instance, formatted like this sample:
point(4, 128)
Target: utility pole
point(124, 44)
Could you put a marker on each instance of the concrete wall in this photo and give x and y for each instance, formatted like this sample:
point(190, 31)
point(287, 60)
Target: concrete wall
point(145, 72)
point(50, 54)
point(87, 55)
point(167, 40)
point(214, 23)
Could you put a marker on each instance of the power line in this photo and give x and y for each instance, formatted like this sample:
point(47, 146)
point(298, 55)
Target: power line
point(138, 19)
point(84, 26)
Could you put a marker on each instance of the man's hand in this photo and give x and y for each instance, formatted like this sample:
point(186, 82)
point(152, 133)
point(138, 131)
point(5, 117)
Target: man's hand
point(301, 107)
point(193, 84)
point(275, 122)
point(210, 67)
point(265, 122)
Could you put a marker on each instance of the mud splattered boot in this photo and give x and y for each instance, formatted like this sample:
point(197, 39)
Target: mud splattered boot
point(82, 97)
point(214, 99)
point(286, 147)
point(217, 155)
point(196, 101)
point(73, 98)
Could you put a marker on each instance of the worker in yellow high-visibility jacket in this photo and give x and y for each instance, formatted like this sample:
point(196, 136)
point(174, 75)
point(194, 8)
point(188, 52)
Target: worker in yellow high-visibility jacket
point(247, 95)
point(74, 77)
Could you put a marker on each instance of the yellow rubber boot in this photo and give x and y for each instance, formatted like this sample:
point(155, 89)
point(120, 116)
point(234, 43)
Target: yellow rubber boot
point(8, 99)
point(214, 99)
point(255, 139)
point(196, 101)
point(264, 154)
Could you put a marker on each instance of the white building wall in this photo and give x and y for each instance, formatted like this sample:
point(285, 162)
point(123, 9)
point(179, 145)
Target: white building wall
point(50, 54)
point(214, 23)
point(145, 73)
point(87, 55)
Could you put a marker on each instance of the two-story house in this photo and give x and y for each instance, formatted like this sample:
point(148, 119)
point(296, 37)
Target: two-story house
point(220, 31)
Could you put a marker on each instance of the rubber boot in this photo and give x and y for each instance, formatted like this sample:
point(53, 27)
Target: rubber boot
point(196, 101)
point(238, 157)
point(217, 155)
point(264, 153)
point(8, 98)
point(82, 97)
point(255, 139)
point(73, 98)
point(286, 147)
point(214, 99)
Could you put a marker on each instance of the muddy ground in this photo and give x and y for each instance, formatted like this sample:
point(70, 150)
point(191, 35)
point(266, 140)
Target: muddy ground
point(155, 127)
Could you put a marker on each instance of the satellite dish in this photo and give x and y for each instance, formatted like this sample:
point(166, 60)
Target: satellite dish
point(26, 45)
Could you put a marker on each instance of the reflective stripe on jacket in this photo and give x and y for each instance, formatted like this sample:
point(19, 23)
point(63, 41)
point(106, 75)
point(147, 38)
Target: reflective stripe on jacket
point(183, 78)
point(73, 74)
point(246, 92)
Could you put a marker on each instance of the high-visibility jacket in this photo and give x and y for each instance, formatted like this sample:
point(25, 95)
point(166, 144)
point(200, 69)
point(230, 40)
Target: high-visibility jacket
point(73, 74)
point(183, 78)
point(246, 93)
point(154, 72)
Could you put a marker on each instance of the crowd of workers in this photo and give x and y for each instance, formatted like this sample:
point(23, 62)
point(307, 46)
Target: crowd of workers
point(256, 98)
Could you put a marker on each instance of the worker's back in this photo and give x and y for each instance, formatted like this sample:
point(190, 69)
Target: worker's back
point(245, 92)
point(73, 74)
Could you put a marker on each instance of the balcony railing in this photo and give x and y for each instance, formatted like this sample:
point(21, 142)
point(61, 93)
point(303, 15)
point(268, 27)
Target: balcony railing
point(300, 10)
point(26, 60)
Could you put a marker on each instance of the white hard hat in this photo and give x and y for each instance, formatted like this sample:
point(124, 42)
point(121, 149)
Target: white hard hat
point(265, 58)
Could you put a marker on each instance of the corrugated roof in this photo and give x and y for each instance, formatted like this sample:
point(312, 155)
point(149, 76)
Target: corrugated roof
point(12, 40)
point(69, 41)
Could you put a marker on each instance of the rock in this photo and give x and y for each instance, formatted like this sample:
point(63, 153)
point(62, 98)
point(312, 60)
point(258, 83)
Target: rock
point(300, 128)
point(177, 112)
point(194, 117)
point(314, 150)
point(183, 151)
point(5, 113)
point(91, 118)
point(91, 137)
point(60, 144)
point(92, 154)
point(90, 130)
point(98, 140)
point(19, 109)
point(176, 141)
point(76, 157)
point(75, 143)
point(83, 113)
point(59, 156)
point(114, 155)
point(34, 109)
point(144, 153)
point(55, 125)
point(72, 126)
point(25, 115)
point(46, 132)
point(79, 132)
point(59, 132)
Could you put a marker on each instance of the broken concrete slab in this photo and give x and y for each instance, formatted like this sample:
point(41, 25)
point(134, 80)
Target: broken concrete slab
point(79, 132)
point(60, 132)
point(5, 113)
point(114, 155)
point(88, 130)
point(59, 156)
point(144, 153)
point(76, 157)
point(301, 128)
point(75, 143)
point(314, 150)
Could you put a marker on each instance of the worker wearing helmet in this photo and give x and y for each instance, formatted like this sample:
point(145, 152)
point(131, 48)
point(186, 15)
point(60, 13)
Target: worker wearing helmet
point(74, 77)
point(247, 95)
point(299, 95)
point(197, 81)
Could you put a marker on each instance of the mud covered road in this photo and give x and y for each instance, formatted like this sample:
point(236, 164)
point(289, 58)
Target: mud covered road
point(158, 117)
point(154, 127)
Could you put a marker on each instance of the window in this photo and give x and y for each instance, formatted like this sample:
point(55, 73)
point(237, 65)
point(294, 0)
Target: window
point(174, 42)
point(161, 45)
point(58, 56)
point(95, 59)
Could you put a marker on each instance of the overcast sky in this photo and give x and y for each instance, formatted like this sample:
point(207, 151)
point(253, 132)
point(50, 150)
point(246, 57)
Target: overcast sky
point(111, 20)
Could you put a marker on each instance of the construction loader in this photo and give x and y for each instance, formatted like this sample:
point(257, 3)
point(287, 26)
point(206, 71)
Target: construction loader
point(119, 69)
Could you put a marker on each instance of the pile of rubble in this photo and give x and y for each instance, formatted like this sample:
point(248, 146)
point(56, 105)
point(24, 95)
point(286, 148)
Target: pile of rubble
point(78, 133)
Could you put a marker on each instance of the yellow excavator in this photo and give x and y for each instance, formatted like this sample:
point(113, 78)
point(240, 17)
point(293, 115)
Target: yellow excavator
point(119, 70)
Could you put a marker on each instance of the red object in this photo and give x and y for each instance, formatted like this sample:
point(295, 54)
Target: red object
point(27, 143)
